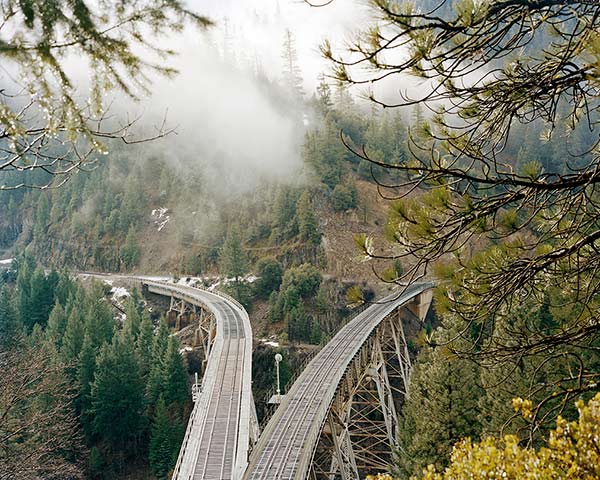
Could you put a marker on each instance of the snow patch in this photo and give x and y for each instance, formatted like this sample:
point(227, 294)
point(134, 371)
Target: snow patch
point(160, 217)
point(118, 293)
point(6, 261)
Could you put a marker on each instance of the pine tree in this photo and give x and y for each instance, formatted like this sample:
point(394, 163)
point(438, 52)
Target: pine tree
point(99, 321)
point(324, 93)
point(448, 390)
point(42, 219)
point(284, 213)
point(130, 253)
point(175, 385)
point(307, 222)
point(96, 463)
point(10, 327)
point(73, 339)
point(132, 318)
point(23, 289)
point(41, 299)
point(64, 288)
point(292, 75)
point(144, 344)
point(162, 453)
point(117, 393)
point(57, 324)
point(269, 273)
point(161, 340)
point(154, 384)
point(233, 260)
point(85, 375)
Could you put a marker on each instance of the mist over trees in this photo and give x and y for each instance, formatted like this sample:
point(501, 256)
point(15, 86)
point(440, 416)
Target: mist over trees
point(44, 125)
point(480, 141)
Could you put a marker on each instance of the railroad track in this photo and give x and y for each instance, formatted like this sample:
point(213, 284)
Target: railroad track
point(286, 446)
point(217, 438)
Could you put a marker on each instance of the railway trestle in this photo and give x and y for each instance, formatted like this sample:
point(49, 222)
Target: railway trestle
point(339, 419)
point(361, 427)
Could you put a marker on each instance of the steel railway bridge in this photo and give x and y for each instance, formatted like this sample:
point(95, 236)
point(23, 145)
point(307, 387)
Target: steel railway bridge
point(223, 423)
point(339, 419)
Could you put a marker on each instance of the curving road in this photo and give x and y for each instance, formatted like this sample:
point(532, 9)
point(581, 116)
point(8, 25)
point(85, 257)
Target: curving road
point(286, 446)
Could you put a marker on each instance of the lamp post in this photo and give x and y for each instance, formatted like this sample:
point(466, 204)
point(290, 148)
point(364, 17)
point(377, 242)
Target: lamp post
point(278, 358)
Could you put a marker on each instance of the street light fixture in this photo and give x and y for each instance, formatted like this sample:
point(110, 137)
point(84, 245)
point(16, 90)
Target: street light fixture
point(278, 358)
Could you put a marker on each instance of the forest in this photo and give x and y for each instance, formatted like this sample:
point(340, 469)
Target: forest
point(470, 160)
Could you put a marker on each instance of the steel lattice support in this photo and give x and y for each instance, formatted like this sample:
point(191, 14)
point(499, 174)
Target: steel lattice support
point(205, 331)
point(362, 423)
point(198, 317)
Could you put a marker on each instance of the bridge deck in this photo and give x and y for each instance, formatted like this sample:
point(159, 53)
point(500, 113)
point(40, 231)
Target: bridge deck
point(286, 446)
point(217, 438)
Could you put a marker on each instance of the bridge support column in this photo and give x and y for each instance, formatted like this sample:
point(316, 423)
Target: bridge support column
point(378, 373)
point(344, 460)
point(205, 332)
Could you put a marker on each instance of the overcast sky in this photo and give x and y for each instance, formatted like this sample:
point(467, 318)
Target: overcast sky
point(257, 28)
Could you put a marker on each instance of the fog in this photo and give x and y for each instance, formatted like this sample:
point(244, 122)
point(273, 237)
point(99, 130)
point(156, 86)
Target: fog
point(232, 119)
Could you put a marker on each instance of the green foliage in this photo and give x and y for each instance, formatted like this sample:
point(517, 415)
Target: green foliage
point(571, 452)
point(117, 393)
point(299, 285)
point(233, 260)
point(73, 338)
point(35, 294)
point(162, 451)
point(494, 208)
point(344, 197)
point(57, 324)
point(144, 343)
point(96, 463)
point(114, 382)
point(306, 278)
point(285, 220)
point(130, 253)
point(86, 366)
point(448, 389)
point(269, 272)
point(308, 229)
point(10, 327)
point(99, 321)
point(175, 384)
point(132, 321)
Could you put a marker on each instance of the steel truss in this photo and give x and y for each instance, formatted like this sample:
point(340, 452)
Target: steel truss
point(183, 314)
point(361, 428)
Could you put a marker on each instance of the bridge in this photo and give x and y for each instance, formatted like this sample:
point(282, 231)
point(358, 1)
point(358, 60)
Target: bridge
point(339, 418)
point(223, 422)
